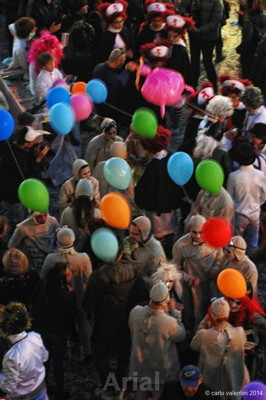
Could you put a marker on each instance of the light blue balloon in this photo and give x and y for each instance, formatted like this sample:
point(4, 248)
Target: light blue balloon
point(7, 125)
point(117, 172)
point(62, 118)
point(97, 90)
point(56, 95)
point(104, 244)
point(180, 168)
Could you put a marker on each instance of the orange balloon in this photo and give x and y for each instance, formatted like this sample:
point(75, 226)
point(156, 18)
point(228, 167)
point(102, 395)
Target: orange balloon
point(78, 87)
point(116, 210)
point(231, 283)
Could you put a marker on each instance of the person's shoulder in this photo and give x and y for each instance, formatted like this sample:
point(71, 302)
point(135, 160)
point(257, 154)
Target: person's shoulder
point(52, 220)
point(183, 241)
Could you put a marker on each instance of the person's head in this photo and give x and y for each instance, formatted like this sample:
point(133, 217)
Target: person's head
point(65, 237)
point(47, 42)
point(84, 188)
point(114, 14)
point(159, 142)
point(219, 311)
point(14, 319)
point(156, 53)
point(15, 262)
point(168, 274)
point(176, 26)
point(46, 62)
point(220, 107)
point(80, 6)
point(244, 154)
point(195, 227)
point(39, 218)
point(235, 250)
point(81, 169)
point(109, 129)
point(235, 304)
point(140, 230)
point(3, 226)
point(25, 118)
point(190, 380)
point(159, 294)
point(24, 26)
point(252, 98)
point(232, 87)
point(118, 149)
point(258, 136)
point(59, 275)
point(117, 58)
point(243, 310)
point(155, 14)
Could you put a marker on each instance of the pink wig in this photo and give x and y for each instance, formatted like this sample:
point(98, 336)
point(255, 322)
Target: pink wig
point(45, 43)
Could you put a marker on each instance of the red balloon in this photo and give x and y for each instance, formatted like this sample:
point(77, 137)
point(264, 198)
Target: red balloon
point(216, 232)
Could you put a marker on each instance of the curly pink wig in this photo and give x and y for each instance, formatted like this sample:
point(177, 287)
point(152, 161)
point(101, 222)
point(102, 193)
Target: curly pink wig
point(45, 43)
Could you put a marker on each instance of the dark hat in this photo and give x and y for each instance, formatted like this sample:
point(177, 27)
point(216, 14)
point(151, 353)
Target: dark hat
point(190, 376)
point(244, 154)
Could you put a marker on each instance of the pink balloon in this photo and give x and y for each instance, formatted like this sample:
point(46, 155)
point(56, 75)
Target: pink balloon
point(82, 106)
point(164, 87)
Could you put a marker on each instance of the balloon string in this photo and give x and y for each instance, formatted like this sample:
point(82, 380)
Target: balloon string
point(189, 200)
point(59, 148)
point(117, 109)
point(16, 161)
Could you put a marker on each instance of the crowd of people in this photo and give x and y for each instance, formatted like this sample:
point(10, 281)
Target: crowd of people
point(152, 319)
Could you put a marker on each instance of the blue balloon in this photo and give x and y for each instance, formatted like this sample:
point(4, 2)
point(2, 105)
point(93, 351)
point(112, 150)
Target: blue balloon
point(97, 90)
point(180, 168)
point(62, 118)
point(56, 95)
point(104, 244)
point(117, 172)
point(7, 125)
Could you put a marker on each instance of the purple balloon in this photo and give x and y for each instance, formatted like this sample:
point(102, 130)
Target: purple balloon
point(254, 391)
point(164, 87)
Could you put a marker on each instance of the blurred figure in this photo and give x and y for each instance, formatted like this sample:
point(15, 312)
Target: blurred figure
point(82, 216)
point(116, 34)
point(53, 310)
point(98, 148)
point(26, 357)
point(81, 170)
point(221, 350)
point(235, 257)
point(112, 291)
point(195, 260)
point(247, 188)
point(81, 268)
point(190, 386)
point(253, 29)
point(153, 335)
point(255, 110)
point(145, 248)
point(34, 236)
point(17, 280)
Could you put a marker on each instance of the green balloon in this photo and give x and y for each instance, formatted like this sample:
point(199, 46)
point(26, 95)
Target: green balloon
point(34, 195)
point(210, 176)
point(144, 122)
